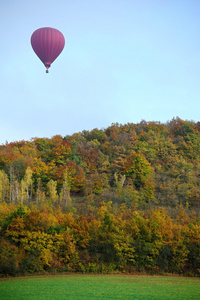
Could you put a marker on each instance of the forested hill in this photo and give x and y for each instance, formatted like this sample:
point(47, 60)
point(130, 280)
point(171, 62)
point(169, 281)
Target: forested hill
point(144, 164)
point(123, 199)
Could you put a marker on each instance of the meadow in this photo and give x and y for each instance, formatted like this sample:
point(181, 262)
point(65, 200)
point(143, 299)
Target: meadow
point(86, 287)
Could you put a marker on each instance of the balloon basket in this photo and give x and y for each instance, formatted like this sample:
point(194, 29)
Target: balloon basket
point(47, 71)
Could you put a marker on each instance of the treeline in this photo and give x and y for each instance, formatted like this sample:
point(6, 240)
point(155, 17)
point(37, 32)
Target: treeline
point(67, 203)
point(108, 240)
point(134, 164)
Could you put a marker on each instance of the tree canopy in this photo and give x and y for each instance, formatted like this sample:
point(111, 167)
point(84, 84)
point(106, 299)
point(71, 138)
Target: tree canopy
point(124, 198)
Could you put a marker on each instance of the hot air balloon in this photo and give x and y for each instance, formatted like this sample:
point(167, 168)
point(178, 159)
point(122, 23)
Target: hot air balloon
point(47, 43)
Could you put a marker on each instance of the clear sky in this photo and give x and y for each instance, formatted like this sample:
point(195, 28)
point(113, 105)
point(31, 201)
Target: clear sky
point(123, 61)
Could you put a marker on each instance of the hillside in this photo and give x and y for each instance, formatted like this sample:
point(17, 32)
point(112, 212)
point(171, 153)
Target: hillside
point(136, 164)
point(122, 199)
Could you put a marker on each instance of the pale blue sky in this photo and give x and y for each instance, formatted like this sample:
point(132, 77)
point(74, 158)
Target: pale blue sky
point(124, 61)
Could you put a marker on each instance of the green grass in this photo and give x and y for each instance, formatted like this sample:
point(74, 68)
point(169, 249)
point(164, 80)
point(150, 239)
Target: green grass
point(86, 287)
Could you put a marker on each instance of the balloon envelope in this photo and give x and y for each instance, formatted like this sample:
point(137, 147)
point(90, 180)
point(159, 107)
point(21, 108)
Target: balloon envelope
point(47, 43)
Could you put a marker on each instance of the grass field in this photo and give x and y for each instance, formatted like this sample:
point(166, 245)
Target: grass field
point(86, 287)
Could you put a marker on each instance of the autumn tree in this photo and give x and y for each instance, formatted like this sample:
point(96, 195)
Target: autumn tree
point(4, 186)
point(65, 199)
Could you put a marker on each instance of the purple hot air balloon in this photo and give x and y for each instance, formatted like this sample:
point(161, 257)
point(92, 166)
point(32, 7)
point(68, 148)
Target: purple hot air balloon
point(47, 43)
